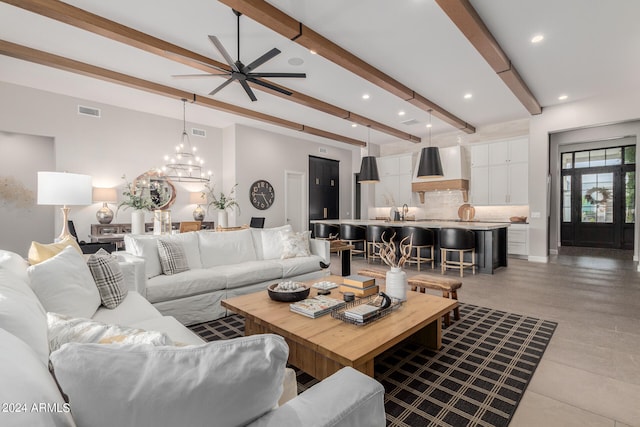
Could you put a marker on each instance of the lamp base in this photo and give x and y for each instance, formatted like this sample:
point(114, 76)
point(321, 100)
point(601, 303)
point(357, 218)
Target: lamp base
point(64, 234)
point(198, 214)
point(104, 214)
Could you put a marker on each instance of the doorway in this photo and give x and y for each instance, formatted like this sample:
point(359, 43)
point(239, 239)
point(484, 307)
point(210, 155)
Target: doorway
point(598, 198)
point(294, 204)
point(324, 184)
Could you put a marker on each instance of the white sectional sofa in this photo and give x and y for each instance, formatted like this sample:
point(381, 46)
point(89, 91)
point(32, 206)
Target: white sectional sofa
point(118, 384)
point(221, 265)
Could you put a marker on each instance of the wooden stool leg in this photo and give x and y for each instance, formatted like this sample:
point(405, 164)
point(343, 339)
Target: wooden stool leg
point(456, 311)
point(473, 260)
point(461, 263)
point(447, 320)
point(443, 261)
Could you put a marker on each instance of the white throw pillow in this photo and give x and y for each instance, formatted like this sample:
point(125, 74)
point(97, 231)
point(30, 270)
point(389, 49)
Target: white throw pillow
point(226, 247)
point(22, 314)
point(26, 382)
point(272, 241)
point(147, 248)
point(222, 383)
point(191, 247)
point(65, 285)
point(295, 244)
point(14, 263)
point(65, 329)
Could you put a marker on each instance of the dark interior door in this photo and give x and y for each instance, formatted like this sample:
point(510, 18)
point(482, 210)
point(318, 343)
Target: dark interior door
point(324, 184)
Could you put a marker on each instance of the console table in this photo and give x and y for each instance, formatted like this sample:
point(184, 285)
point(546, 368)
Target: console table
point(114, 233)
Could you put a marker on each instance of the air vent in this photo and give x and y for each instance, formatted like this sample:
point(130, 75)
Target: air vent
point(410, 122)
point(88, 111)
point(323, 150)
point(199, 132)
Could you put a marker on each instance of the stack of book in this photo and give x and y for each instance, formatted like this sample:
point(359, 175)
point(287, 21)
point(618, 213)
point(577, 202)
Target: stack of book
point(316, 306)
point(361, 286)
point(361, 313)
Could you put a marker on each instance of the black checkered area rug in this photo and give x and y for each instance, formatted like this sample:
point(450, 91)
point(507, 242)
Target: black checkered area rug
point(477, 378)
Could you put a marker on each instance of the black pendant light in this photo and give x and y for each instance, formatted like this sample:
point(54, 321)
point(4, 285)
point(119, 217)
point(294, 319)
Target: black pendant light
point(430, 165)
point(369, 166)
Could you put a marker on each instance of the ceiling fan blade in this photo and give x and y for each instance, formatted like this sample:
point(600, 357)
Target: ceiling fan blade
point(223, 52)
point(258, 62)
point(189, 76)
point(213, 67)
point(222, 86)
point(298, 75)
point(247, 89)
point(269, 86)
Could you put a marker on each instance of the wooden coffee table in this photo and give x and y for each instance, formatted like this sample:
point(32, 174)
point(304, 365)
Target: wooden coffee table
point(322, 346)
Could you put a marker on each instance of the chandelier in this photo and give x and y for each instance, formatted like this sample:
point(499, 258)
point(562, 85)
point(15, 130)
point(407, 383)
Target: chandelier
point(184, 165)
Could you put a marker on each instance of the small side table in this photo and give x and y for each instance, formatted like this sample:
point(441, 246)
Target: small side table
point(344, 249)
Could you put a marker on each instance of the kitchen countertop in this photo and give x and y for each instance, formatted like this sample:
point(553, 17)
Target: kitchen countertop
point(432, 223)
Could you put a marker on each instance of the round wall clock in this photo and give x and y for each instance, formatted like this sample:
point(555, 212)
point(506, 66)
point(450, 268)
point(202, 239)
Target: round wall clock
point(262, 194)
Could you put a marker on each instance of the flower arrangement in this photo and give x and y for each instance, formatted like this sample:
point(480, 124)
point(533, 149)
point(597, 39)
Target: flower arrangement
point(221, 201)
point(135, 198)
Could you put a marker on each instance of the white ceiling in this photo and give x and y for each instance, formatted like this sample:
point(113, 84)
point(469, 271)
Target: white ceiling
point(590, 48)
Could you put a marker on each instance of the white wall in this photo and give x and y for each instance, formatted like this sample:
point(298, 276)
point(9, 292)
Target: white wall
point(121, 142)
point(21, 219)
point(265, 155)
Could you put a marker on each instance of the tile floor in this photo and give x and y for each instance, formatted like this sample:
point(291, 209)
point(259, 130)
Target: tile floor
point(590, 373)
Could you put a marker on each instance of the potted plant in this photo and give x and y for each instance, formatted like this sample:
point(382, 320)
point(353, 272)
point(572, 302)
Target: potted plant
point(140, 201)
point(221, 202)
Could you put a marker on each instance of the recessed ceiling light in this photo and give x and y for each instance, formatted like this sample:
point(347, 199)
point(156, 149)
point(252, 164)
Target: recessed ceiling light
point(354, 125)
point(401, 113)
point(468, 96)
point(562, 97)
point(537, 38)
point(365, 96)
point(429, 125)
point(312, 52)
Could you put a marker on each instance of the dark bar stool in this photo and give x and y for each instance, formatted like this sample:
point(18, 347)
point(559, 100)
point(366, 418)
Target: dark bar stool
point(374, 240)
point(461, 241)
point(421, 238)
point(325, 231)
point(354, 235)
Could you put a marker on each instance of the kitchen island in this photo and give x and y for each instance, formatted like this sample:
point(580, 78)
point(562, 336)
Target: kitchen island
point(491, 237)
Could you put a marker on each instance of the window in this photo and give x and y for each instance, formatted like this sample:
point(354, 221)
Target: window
point(630, 155)
point(567, 160)
point(630, 197)
point(597, 198)
point(566, 198)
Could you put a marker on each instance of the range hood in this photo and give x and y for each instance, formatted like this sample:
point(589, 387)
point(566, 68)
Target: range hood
point(456, 174)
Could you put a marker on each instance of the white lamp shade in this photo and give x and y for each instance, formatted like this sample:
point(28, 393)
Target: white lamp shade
point(108, 195)
point(61, 188)
point(198, 198)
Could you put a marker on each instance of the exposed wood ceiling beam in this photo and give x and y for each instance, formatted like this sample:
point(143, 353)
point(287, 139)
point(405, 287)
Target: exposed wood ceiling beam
point(66, 64)
point(80, 18)
point(271, 17)
point(465, 17)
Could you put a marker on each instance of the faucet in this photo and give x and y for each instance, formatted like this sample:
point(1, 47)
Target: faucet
point(405, 211)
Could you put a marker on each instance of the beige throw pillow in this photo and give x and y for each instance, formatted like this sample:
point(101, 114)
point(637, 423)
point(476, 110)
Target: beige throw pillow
point(39, 252)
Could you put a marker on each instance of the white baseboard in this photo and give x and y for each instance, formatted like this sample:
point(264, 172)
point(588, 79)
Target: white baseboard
point(542, 259)
point(553, 252)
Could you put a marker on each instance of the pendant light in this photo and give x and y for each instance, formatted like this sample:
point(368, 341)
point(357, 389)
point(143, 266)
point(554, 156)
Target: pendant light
point(430, 164)
point(369, 167)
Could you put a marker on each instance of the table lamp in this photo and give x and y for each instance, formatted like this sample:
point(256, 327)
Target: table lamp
point(66, 189)
point(198, 198)
point(104, 195)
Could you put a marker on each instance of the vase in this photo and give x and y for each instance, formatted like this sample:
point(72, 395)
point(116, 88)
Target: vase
point(223, 219)
point(137, 222)
point(396, 283)
point(161, 222)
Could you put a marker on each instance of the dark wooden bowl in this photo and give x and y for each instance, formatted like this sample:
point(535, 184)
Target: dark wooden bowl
point(287, 296)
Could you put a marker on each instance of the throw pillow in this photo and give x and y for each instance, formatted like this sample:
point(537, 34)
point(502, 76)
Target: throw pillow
point(173, 258)
point(272, 241)
point(64, 284)
point(65, 329)
point(27, 384)
point(147, 248)
point(14, 263)
point(295, 244)
point(226, 383)
point(107, 274)
point(39, 252)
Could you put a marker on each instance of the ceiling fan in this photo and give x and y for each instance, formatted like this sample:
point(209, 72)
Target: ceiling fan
point(244, 73)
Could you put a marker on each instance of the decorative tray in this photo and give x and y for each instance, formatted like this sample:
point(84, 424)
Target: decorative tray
point(340, 313)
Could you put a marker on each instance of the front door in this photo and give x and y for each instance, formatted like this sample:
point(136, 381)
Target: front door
point(598, 198)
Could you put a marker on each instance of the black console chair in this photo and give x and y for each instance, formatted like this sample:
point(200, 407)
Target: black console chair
point(256, 222)
point(90, 248)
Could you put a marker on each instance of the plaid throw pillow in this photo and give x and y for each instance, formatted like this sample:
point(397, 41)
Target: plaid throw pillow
point(173, 258)
point(108, 277)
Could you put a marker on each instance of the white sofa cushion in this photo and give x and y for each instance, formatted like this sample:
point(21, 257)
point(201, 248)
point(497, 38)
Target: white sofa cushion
point(146, 248)
point(134, 308)
point(64, 284)
point(247, 273)
point(26, 382)
point(65, 329)
point(170, 326)
point(226, 383)
point(299, 265)
point(271, 241)
point(295, 244)
point(192, 282)
point(22, 315)
point(223, 248)
point(14, 263)
point(191, 247)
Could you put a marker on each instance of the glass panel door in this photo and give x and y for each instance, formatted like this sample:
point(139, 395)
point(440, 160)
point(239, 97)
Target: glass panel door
point(597, 198)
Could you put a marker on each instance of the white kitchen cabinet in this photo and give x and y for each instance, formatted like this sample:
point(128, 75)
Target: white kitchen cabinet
point(480, 185)
point(394, 188)
point(518, 239)
point(479, 155)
